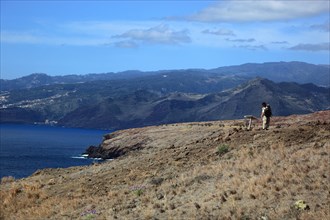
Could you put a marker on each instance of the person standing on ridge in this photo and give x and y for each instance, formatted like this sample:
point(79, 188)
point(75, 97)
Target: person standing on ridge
point(266, 113)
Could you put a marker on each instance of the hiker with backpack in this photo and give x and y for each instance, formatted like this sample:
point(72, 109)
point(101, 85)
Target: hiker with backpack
point(266, 113)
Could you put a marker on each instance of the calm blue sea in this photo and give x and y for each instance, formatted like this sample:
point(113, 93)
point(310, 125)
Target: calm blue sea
point(27, 148)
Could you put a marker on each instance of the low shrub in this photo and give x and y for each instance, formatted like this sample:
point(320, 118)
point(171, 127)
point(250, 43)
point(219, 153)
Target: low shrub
point(222, 149)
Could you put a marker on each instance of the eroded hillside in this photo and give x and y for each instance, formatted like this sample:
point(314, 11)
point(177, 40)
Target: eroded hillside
point(211, 170)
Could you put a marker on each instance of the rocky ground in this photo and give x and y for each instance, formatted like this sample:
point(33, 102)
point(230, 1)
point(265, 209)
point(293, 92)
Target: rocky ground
point(206, 170)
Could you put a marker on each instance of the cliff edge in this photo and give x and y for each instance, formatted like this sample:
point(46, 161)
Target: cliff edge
point(206, 170)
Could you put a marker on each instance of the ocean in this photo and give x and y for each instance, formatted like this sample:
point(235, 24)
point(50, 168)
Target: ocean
point(26, 148)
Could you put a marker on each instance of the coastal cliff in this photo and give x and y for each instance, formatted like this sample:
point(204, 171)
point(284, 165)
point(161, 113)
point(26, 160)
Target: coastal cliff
point(200, 170)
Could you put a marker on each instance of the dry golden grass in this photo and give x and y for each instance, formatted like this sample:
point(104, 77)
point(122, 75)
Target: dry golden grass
point(182, 176)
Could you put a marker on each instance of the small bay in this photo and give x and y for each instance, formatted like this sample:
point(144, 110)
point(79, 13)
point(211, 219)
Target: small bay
point(27, 148)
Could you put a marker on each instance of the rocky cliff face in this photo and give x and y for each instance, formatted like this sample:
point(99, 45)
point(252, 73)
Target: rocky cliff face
point(205, 170)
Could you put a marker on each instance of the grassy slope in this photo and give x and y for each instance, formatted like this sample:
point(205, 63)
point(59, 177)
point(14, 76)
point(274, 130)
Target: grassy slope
point(183, 171)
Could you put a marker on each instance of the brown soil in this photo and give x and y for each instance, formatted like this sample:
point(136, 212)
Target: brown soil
point(210, 170)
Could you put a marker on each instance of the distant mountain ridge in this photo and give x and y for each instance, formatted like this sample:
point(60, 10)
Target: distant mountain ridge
point(93, 106)
point(285, 98)
point(136, 98)
point(299, 72)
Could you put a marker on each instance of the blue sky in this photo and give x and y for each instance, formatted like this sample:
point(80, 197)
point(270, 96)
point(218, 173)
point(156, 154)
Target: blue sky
point(81, 37)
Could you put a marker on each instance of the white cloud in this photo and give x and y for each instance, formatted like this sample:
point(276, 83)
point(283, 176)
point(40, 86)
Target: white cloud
point(279, 42)
point(133, 34)
point(312, 47)
point(322, 27)
point(20, 37)
point(253, 47)
point(100, 33)
point(16, 37)
point(257, 10)
point(100, 28)
point(220, 32)
point(160, 34)
point(249, 40)
point(126, 44)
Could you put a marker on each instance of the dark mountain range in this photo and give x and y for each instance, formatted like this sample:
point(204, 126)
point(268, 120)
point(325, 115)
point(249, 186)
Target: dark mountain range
point(135, 98)
point(97, 105)
point(278, 71)
point(176, 81)
point(299, 72)
point(53, 102)
point(42, 79)
point(144, 108)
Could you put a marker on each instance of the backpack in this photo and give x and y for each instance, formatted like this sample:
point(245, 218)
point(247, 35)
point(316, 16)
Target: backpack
point(268, 111)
